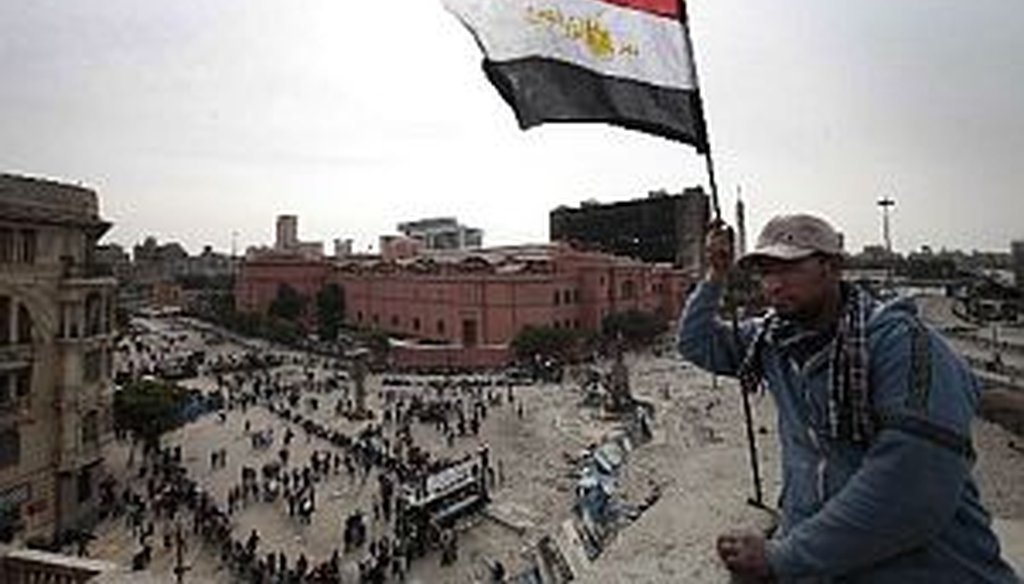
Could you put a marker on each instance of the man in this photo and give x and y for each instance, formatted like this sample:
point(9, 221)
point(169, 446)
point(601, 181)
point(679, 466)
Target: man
point(874, 421)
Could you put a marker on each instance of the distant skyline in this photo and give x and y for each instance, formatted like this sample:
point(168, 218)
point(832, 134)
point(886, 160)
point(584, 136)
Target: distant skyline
point(197, 119)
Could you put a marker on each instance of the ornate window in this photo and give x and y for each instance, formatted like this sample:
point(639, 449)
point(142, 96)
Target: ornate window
point(24, 325)
point(5, 320)
point(93, 314)
point(6, 245)
point(628, 289)
point(10, 447)
point(27, 247)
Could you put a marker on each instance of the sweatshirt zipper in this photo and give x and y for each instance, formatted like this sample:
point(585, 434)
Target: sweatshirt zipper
point(822, 466)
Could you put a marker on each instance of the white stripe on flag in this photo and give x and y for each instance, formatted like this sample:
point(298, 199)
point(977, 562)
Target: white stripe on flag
point(608, 39)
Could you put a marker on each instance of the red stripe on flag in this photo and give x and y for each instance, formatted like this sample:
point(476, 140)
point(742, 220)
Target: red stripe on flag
point(660, 7)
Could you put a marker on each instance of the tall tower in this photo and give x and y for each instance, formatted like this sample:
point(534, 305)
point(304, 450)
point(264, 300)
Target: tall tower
point(741, 224)
point(342, 247)
point(287, 232)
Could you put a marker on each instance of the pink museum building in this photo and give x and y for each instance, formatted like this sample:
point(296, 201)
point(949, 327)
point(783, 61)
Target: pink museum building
point(469, 304)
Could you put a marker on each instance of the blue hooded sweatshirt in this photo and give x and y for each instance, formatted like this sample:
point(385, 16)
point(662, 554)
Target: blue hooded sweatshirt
point(902, 508)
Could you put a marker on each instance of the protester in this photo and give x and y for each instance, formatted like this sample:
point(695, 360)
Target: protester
point(874, 420)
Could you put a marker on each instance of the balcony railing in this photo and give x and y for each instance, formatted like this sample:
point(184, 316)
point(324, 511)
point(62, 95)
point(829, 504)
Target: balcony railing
point(85, 271)
point(25, 566)
point(15, 354)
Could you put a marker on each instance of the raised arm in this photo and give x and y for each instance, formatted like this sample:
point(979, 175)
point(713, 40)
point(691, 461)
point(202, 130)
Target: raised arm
point(701, 337)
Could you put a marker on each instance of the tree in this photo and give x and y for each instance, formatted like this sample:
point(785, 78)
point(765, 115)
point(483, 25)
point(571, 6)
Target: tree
point(330, 309)
point(288, 304)
point(636, 327)
point(282, 331)
point(544, 342)
point(148, 408)
point(379, 345)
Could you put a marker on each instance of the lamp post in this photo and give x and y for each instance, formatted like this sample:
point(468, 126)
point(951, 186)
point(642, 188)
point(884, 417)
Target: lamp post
point(885, 203)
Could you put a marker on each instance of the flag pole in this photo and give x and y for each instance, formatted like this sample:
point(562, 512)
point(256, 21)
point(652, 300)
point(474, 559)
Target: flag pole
point(757, 500)
point(732, 295)
point(709, 163)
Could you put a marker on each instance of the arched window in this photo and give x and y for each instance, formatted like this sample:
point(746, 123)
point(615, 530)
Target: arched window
point(93, 314)
point(23, 381)
point(5, 320)
point(628, 289)
point(24, 325)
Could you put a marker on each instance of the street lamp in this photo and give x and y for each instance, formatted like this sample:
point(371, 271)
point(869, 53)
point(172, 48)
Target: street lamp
point(885, 203)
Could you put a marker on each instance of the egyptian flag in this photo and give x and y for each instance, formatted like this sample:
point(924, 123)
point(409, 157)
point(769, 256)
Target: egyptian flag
point(623, 62)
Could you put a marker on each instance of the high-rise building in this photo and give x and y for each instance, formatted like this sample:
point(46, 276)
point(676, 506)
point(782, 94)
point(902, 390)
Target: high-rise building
point(287, 232)
point(342, 247)
point(443, 233)
point(287, 243)
point(660, 228)
point(56, 348)
point(741, 227)
point(1017, 249)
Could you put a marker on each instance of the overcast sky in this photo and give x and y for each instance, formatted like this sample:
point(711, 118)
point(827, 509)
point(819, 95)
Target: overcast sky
point(194, 119)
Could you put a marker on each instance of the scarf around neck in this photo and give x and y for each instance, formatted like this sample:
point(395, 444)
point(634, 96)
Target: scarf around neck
point(849, 403)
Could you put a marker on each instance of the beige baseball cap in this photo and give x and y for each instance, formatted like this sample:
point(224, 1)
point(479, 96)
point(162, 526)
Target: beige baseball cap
point(794, 237)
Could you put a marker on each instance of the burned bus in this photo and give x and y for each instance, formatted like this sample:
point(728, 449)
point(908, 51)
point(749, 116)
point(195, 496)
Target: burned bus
point(434, 501)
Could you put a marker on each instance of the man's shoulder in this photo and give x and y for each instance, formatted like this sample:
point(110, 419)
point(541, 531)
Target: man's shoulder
point(895, 317)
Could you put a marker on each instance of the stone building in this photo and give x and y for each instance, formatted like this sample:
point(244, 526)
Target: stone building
point(287, 243)
point(1017, 251)
point(442, 233)
point(486, 296)
point(660, 228)
point(472, 302)
point(56, 345)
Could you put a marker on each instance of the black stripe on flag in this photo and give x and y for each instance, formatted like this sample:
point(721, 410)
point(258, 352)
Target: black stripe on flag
point(541, 90)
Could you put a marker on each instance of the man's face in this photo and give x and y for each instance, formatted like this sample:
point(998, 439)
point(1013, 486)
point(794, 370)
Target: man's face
point(797, 289)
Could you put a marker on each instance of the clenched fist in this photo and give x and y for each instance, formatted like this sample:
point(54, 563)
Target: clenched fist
point(719, 249)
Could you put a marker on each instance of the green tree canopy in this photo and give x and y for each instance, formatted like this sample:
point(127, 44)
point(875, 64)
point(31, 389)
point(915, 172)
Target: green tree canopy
point(379, 345)
point(544, 342)
point(288, 304)
point(636, 327)
point(330, 304)
point(148, 408)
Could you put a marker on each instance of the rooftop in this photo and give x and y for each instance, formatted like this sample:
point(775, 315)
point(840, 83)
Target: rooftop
point(24, 198)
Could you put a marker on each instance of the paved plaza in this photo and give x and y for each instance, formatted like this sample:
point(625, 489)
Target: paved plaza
point(695, 469)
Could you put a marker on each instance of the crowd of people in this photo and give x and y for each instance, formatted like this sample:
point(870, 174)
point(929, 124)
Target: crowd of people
point(383, 452)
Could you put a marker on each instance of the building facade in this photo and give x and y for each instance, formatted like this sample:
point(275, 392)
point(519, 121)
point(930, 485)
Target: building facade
point(260, 278)
point(1017, 251)
point(443, 233)
point(287, 232)
point(56, 348)
point(287, 243)
point(471, 303)
point(485, 298)
point(660, 228)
